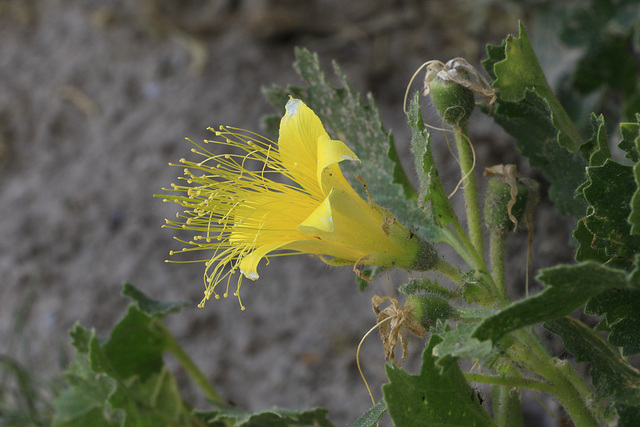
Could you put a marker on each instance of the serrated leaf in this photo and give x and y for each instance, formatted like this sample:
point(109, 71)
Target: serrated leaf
point(439, 395)
point(529, 121)
point(150, 306)
point(372, 416)
point(80, 338)
point(153, 402)
point(459, 343)
point(274, 417)
point(621, 308)
point(597, 148)
point(84, 402)
point(609, 191)
point(586, 251)
point(432, 198)
point(630, 133)
point(568, 287)
point(520, 73)
point(612, 376)
point(359, 126)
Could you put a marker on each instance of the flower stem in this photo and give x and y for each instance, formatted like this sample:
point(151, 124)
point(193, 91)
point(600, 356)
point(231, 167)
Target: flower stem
point(496, 253)
point(467, 163)
point(570, 390)
point(517, 382)
point(192, 369)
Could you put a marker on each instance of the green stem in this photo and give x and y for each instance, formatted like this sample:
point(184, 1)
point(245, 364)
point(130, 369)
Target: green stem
point(192, 369)
point(570, 390)
point(517, 382)
point(507, 411)
point(467, 163)
point(448, 270)
point(497, 240)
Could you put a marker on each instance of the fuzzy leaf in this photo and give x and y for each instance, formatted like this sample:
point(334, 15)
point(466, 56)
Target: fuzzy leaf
point(519, 73)
point(372, 416)
point(359, 126)
point(439, 395)
point(274, 417)
point(459, 343)
point(568, 287)
point(598, 145)
point(621, 308)
point(612, 376)
point(432, 197)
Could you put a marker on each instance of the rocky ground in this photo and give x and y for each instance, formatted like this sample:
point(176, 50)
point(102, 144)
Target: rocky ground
point(96, 99)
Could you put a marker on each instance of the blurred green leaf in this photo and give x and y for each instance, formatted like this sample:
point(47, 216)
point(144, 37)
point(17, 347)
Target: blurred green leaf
point(274, 417)
point(630, 133)
point(568, 287)
point(150, 306)
point(438, 396)
point(124, 381)
point(612, 377)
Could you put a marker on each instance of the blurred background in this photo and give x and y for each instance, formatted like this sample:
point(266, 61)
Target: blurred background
point(97, 97)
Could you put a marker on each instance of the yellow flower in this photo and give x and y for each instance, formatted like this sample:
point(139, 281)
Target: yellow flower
point(284, 199)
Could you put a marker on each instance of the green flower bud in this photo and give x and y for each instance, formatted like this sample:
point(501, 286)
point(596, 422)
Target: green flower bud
point(454, 102)
point(508, 198)
point(427, 308)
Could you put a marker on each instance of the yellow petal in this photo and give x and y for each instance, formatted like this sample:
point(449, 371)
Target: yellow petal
point(320, 220)
point(249, 264)
point(330, 153)
point(300, 129)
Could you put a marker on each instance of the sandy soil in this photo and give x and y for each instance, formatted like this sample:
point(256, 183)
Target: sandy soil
point(97, 97)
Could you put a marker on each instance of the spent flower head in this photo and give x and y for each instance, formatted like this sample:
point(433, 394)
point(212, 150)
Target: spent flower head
point(282, 199)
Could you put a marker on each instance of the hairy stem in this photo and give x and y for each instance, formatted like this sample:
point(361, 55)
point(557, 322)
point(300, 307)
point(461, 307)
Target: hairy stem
point(467, 163)
point(570, 390)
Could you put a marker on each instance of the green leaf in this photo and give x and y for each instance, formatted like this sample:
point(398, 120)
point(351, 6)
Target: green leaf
point(520, 73)
point(439, 395)
point(84, 402)
point(612, 377)
point(621, 308)
point(372, 416)
point(459, 343)
point(432, 197)
point(124, 382)
point(609, 191)
point(150, 306)
point(135, 346)
point(597, 148)
point(568, 287)
point(586, 251)
point(630, 133)
point(274, 417)
point(359, 126)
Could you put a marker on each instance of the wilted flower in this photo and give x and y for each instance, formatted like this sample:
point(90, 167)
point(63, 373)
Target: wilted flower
point(243, 215)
